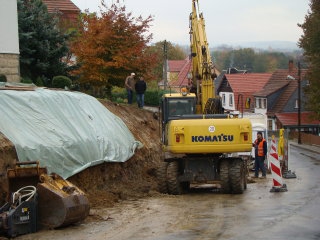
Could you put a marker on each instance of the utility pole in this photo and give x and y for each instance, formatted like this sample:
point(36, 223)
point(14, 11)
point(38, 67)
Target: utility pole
point(165, 64)
point(299, 103)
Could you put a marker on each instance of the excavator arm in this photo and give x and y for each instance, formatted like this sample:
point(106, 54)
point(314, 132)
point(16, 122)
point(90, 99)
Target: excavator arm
point(203, 71)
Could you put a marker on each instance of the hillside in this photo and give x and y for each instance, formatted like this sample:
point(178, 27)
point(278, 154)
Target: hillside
point(108, 183)
point(273, 46)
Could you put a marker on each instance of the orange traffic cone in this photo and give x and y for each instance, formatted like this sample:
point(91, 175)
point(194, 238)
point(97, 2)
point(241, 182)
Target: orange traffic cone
point(278, 186)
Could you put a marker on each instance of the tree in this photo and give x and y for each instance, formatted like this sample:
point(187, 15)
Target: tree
point(110, 46)
point(310, 42)
point(42, 45)
point(248, 59)
point(175, 52)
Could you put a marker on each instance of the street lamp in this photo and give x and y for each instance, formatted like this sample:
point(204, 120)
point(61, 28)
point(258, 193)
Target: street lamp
point(299, 101)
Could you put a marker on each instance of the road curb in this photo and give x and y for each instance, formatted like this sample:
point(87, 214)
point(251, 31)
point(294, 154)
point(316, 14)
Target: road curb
point(312, 148)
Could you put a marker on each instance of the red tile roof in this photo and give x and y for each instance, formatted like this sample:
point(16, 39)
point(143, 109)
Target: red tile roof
point(279, 80)
point(176, 65)
point(60, 5)
point(181, 66)
point(291, 119)
point(248, 82)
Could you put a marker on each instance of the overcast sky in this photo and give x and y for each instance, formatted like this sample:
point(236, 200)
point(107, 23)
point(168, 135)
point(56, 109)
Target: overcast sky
point(227, 21)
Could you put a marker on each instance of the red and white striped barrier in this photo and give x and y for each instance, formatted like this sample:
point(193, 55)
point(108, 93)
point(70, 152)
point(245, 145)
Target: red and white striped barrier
point(278, 186)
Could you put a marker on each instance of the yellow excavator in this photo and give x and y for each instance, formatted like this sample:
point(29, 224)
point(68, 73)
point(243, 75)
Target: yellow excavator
point(197, 136)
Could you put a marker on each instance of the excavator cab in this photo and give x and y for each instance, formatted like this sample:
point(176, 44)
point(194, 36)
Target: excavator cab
point(176, 105)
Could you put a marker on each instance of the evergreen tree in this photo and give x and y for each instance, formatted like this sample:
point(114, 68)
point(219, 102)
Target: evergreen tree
point(42, 45)
point(310, 42)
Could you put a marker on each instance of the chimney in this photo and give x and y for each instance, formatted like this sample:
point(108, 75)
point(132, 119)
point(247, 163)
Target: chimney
point(290, 66)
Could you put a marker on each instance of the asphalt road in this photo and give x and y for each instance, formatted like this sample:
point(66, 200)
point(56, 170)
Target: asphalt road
point(205, 214)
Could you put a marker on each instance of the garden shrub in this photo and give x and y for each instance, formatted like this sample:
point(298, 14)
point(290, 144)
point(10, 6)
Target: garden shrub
point(61, 82)
point(3, 78)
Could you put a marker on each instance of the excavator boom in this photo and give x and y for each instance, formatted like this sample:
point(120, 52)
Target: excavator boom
point(203, 71)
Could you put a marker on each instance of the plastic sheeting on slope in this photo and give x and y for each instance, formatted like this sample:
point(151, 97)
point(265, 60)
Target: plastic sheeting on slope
point(66, 131)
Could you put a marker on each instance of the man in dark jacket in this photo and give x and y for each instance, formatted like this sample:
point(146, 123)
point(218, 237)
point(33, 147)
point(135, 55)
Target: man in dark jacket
point(140, 88)
point(260, 145)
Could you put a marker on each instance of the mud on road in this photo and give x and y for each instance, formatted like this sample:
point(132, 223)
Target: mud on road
point(206, 214)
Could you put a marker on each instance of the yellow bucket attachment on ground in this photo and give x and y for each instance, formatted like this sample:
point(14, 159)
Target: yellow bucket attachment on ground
point(60, 203)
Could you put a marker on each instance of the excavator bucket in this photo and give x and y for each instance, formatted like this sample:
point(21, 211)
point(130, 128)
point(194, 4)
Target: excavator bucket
point(59, 202)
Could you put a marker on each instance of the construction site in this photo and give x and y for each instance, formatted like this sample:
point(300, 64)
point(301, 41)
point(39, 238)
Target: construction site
point(125, 202)
point(73, 166)
point(122, 176)
point(119, 199)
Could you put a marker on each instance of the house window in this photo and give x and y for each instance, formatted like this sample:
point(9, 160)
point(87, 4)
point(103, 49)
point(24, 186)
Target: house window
point(296, 104)
point(223, 99)
point(248, 103)
point(261, 103)
point(230, 100)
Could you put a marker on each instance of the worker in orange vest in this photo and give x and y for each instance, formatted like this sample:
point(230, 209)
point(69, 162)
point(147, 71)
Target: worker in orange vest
point(260, 146)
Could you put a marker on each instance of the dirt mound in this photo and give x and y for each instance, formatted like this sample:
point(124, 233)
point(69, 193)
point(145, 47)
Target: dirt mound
point(108, 183)
point(8, 157)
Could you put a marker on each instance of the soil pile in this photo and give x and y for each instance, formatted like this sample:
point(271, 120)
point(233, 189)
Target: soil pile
point(108, 183)
point(8, 157)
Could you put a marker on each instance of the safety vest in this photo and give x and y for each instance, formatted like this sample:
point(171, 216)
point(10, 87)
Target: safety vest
point(260, 148)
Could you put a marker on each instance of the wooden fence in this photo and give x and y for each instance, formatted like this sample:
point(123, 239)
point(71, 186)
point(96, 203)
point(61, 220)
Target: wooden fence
point(306, 138)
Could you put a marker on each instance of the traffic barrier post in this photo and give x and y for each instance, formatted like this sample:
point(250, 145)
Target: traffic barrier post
point(278, 185)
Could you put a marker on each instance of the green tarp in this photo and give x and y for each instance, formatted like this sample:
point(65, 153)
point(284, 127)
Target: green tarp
point(66, 131)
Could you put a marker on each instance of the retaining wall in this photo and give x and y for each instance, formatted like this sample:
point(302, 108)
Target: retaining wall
point(9, 66)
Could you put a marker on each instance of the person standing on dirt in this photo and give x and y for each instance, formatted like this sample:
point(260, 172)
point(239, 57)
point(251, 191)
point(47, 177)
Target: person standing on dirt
point(260, 146)
point(129, 84)
point(140, 88)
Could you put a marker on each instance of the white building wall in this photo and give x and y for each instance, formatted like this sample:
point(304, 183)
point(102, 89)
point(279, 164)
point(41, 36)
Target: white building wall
point(260, 110)
point(226, 103)
point(9, 40)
